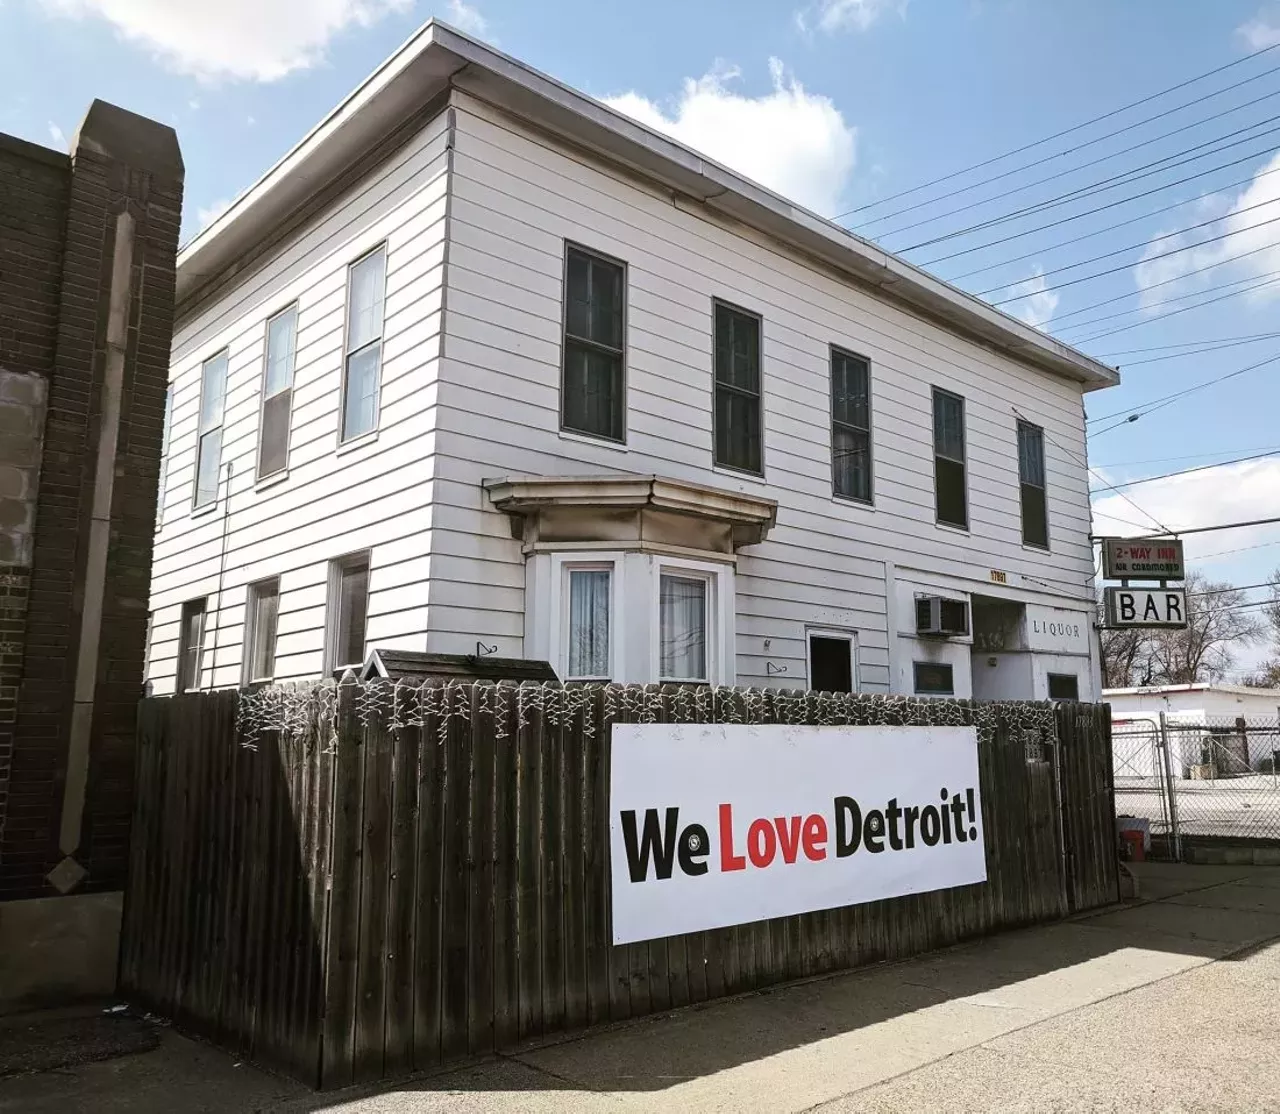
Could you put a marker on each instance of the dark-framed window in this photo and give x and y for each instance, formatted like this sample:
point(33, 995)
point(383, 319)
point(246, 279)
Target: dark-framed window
point(933, 678)
point(362, 369)
point(277, 392)
point(1035, 503)
point(190, 645)
point(213, 391)
point(850, 426)
point(593, 381)
point(950, 483)
point(737, 420)
point(1064, 686)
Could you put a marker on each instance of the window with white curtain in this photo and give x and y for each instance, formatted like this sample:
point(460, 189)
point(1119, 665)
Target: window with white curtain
point(682, 627)
point(365, 296)
point(588, 629)
point(213, 389)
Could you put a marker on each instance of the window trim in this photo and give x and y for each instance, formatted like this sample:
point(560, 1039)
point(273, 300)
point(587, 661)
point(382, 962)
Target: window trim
point(833, 351)
point(733, 307)
point(624, 352)
point(564, 568)
point(333, 607)
point(1048, 685)
point(850, 636)
point(251, 630)
point(166, 444)
point(915, 678)
point(1047, 547)
point(283, 470)
point(356, 438)
point(196, 506)
point(192, 683)
point(937, 392)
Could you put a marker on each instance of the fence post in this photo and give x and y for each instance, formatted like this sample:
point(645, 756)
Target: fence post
point(1169, 788)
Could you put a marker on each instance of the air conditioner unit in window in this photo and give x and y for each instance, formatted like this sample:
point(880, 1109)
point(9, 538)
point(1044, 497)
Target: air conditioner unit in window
point(942, 618)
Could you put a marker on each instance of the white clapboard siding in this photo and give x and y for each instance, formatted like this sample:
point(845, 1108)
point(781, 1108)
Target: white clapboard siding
point(516, 197)
point(375, 495)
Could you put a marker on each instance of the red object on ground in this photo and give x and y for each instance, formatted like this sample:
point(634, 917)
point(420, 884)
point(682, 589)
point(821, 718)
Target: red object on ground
point(1134, 838)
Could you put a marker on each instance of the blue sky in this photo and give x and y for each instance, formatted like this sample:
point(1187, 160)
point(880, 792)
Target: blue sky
point(840, 104)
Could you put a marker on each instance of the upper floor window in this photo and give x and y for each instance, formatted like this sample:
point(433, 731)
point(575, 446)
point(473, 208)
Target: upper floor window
point(213, 390)
point(850, 426)
point(190, 645)
point(277, 392)
point(260, 630)
point(593, 382)
point(1035, 508)
point(949, 459)
point(737, 418)
point(366, 290)
point(348, 610)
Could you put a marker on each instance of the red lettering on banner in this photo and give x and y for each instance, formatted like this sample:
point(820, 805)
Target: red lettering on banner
point(815, 838)
point(762, 845)
point(788, 836)
point(728, 860)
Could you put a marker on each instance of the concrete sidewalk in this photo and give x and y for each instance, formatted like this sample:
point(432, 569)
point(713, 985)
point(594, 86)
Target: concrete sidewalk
point(1168, 1003)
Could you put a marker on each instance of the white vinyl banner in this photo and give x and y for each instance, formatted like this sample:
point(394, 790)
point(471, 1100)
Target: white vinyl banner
point(721, 824)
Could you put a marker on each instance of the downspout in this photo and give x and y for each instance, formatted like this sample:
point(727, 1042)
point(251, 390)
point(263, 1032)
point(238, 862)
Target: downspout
point(66, 877)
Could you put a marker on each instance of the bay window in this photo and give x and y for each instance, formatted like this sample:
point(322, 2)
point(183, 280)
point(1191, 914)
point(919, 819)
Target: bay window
point(588, 630)
point(682, 627)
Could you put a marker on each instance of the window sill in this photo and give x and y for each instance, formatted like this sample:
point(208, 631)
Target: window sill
point(1044, 550)
point(599, 442)
point(850, 501)
point(356, 443)
point(271, 480)
point(965, 530)
point(738, 474)
point(206, 511)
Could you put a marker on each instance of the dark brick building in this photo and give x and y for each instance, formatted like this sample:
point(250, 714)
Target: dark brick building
point(88, 243)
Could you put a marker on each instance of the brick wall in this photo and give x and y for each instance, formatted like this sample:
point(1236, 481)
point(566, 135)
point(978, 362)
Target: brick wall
point(59, 219)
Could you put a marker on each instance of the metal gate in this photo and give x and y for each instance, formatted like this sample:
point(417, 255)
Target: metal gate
point(1212, 781)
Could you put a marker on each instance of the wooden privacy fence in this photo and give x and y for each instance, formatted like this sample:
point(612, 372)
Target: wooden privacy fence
point(351, 882)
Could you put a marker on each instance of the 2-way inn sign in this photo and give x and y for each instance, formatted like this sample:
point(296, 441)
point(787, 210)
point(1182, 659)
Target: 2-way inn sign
point(1143, 559)
point(1145, 607)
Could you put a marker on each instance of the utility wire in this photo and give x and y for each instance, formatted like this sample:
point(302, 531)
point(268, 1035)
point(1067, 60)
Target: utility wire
point(1081, 194)
point(1124, 178)
point(1216, 526)
point(1189, 344)
point(1177, 158)
point(1160, 403)
point(1269, 246)
point(1198, 351)
point(1172, 313)
point(1088, 213)
point(1199, 468)
point(1058, 135)
point(1085, 465)
point(1149, 241)
point(1187, 456)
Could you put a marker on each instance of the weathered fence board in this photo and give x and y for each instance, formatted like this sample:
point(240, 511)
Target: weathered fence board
point(347, 898)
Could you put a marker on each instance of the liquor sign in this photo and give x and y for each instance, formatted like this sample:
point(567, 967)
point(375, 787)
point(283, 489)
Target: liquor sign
point(1145, 607)
point(720, 824)
point(1143, 559)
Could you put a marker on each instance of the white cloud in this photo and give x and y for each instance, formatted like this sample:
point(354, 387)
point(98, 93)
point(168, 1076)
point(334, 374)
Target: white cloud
point(1037, 303)
point(1232, 493)
point(794, 142)
point(257, 40)
point(1260, 32)
point(467, 18)
point(210, 213)
point(1246, 236)
point(847, 15)
point(58, 135)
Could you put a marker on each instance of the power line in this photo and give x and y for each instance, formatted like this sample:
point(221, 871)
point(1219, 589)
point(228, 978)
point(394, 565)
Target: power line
point(1185, 456)
point(1090, 212)
point(1085, 465)
point(1083, 192)
point(1188, 344)
point(1177, 158)
point(1235, 588)
point(1080, 147)
point(1199, 351)
point(1269, 246)
point(1171, 313)
point(1161, 403)
point(1217, 526)
point(1238, 549)
point(1148, 242)
point(1060, 134)
point(1199, 468)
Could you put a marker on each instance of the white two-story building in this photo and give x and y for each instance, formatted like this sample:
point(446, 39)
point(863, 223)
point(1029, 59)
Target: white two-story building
point(482, 366)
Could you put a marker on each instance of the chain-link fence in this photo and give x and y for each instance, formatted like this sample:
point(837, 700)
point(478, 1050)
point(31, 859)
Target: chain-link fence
point(1216, 779)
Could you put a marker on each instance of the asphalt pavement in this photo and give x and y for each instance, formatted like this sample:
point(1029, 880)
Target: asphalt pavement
point(1171, 1002)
